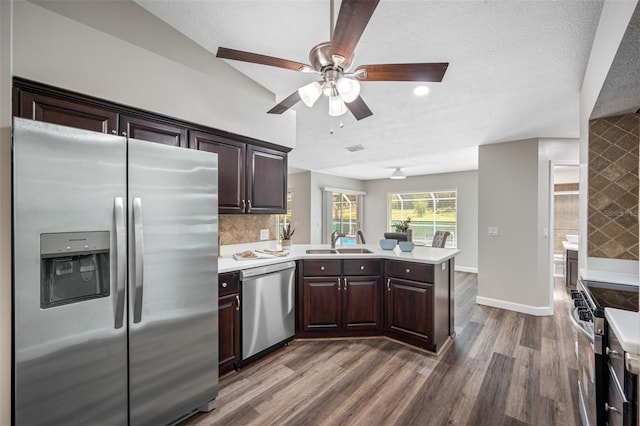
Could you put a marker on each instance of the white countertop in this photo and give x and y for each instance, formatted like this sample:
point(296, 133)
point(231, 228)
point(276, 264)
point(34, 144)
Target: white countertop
point(420, 254)
point(570, 246)
point(609, 277)
point(626, 325)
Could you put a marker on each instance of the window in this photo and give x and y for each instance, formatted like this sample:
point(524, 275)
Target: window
point(342, 213)
point(429, 212)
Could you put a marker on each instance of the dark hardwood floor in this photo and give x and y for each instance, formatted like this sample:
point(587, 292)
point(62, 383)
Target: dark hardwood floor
point(503, 368)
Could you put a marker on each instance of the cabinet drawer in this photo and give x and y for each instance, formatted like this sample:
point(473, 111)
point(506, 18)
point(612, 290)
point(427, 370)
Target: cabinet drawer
point(362, 267)
point(316, 268)
point(411, 271)
point(228, 283)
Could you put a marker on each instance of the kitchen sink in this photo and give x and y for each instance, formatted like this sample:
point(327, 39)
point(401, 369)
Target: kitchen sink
point(321, 251)
point(353, 250)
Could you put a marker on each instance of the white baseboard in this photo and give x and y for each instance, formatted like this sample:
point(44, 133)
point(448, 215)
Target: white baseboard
point(466, 269)
point(517, 307)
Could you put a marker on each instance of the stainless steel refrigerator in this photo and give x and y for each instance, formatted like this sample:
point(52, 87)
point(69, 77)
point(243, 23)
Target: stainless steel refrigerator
point(115, 278)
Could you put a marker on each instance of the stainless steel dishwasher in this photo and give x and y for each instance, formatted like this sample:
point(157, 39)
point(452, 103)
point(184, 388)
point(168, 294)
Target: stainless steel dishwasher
point(268, 308)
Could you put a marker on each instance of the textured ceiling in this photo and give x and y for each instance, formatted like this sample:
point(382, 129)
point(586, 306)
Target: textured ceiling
point(620, 92)
point(515, 72)
point(516, 68)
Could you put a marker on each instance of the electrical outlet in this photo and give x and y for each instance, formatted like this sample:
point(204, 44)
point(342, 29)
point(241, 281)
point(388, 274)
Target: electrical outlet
point(492, 231)
point(264, 234)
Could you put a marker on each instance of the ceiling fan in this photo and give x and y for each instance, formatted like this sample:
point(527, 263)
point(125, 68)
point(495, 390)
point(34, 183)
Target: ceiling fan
point(332, 60)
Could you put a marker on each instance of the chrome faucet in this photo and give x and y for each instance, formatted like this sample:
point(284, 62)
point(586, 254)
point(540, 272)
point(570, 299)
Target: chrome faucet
point(334, 236)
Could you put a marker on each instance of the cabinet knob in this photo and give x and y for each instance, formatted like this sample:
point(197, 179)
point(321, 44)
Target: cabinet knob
point(610, 351)
point(114, 132)
point(362, 268)
point(124, 134)
point(224, 285)
point(408, 271)
point(322, 268)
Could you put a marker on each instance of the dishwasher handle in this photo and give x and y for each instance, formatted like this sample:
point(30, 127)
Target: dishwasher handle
point(254, 273)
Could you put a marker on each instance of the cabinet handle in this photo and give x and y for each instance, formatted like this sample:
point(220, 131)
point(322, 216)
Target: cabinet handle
point(339, 284)
point(224, 285)
point(114, 132)
point(124, 134)
point(388, 284)
point(249, 206)
point(238, 300)
point(610, 351)
point(608, 407)
point(244, 205)
point(345, 283)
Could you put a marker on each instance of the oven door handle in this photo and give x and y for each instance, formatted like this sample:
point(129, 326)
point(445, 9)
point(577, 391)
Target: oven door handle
point(579, 327)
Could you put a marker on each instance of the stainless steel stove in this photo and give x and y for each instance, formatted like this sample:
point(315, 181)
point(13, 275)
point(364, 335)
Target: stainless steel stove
point(587, 316)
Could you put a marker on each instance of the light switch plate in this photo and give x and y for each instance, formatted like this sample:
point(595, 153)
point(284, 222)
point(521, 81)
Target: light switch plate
point(264, 234)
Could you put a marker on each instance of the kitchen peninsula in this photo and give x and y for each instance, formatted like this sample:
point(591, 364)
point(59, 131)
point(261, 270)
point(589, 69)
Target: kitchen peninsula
point(365, 291)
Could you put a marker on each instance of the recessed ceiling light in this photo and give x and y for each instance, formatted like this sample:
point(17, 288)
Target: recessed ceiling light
point(421, 90)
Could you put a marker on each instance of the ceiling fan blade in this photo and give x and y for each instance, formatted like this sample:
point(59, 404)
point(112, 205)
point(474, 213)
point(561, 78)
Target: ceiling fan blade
point(430, 72)
point(352, 19)
point(359, 109)
point(239, 55)
point(287, 103)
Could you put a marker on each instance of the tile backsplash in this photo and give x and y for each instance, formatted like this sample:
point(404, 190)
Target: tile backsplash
point(245, 228)
point(613, 187)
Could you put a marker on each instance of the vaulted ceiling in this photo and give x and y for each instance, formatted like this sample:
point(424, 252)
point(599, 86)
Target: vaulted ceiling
point(516, 70)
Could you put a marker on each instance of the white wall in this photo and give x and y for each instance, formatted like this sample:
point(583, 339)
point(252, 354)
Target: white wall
point(300, 188)
point(466, 183)
point(508, 199)
point(5, 212)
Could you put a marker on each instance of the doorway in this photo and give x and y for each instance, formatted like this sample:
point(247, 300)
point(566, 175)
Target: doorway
point(564, 222)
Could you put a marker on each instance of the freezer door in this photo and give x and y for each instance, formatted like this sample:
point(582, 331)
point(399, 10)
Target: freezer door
point(70, 345)
point(173, 309)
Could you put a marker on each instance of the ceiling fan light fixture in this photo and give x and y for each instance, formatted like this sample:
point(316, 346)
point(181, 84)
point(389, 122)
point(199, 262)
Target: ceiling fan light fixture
point(310, 93)
point(398, 174)
point(348, 88)
point(336, 105)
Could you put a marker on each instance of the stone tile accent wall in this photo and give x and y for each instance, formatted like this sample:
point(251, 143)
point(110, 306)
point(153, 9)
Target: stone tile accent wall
point(613, 187)
point(245, 228)
point(565, 219)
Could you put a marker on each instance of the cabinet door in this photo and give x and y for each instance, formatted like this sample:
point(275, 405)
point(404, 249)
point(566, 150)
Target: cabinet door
point(67, 113)
point(228, 333)
point(153, 131)
point(409, 309)
point(231, 171)
point(322, 308)
point(267, 180)
point(361, 298)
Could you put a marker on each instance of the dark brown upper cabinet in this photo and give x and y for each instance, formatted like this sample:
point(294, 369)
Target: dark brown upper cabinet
point(266, 180)
point(153, 131)
point(65, 112)
point(251, 179)
point(231, 174)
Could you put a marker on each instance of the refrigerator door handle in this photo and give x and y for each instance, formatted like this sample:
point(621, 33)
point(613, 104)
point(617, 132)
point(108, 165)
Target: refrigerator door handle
point(121, 260)
point(138, 247)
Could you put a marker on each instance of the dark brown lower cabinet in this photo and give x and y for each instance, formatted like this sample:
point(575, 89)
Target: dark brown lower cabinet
point(418, 303)
point(408, 306)
point(571, 269)
point(341, 305)
point(228, 322)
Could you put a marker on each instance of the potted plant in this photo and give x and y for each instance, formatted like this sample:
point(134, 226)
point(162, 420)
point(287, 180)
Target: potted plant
point(286, 234)
point(403, 226)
